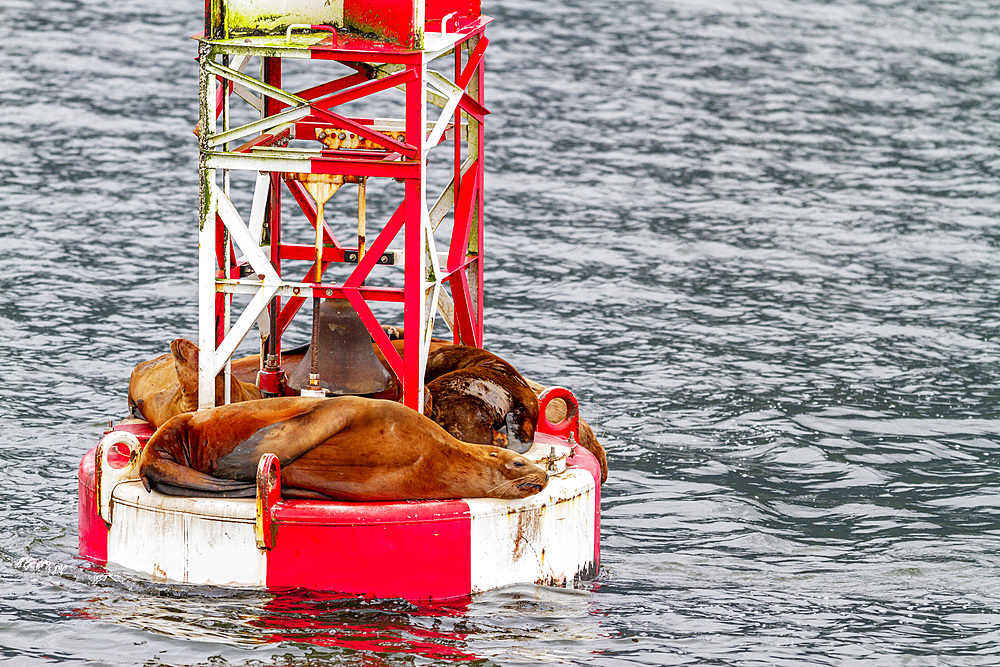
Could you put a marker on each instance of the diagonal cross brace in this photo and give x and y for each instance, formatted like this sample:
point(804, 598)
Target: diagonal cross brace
point(270, 284)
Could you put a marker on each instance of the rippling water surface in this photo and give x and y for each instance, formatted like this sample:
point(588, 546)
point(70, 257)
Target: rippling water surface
point(759, 239)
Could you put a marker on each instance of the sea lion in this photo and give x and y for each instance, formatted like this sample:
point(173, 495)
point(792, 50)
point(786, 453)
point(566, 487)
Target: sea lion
point(555, 412)
point(347, 448)
point(478, 397)
point(168, 385)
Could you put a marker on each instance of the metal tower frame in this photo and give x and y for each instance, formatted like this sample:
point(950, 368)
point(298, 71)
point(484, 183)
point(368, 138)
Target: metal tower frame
point(242, 253)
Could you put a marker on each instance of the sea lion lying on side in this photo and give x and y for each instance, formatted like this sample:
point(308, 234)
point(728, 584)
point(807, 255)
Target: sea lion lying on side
point(168, 385)
point(471, 392)
point(347, 448)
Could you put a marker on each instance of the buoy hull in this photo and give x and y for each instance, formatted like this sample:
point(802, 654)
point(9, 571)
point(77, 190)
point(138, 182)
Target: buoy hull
point(418, 550)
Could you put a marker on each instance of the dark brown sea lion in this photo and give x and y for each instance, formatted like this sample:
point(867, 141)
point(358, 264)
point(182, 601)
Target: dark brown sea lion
point(479, 397)
point(347, 448)
point(453, 401)
point(168, 385)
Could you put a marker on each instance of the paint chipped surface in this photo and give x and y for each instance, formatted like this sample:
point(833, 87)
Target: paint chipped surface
point(547, 538)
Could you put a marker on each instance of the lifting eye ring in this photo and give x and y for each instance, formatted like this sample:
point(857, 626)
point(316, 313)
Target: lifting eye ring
point(569, 427)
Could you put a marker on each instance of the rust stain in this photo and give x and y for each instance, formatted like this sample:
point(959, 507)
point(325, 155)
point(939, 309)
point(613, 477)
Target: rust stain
point(529, 525)
point(336, 138)
point(552, 580)
point(159, 574)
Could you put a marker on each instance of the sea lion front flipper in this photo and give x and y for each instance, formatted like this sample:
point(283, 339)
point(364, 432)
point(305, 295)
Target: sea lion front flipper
point(288, 440)
point(510, 429)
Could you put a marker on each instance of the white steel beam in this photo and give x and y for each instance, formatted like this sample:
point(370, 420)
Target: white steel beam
point(206, 293)
point(453, 94)
point(242, 236)
point(241, 327)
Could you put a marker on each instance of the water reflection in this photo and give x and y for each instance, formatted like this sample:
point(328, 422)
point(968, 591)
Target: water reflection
point(293, 618)
point(523, 623)
point(434, 631)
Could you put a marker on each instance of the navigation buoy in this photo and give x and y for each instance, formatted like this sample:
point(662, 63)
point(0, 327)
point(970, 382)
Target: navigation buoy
point(308, 143)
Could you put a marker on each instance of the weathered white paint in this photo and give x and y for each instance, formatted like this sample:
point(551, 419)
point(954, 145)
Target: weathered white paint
point(190, 540)
point(547, 538)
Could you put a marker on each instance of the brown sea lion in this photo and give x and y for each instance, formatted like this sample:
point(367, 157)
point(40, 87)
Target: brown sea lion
point(347, 448)
point(479, 397)
point(168, 385)
point(556, 409)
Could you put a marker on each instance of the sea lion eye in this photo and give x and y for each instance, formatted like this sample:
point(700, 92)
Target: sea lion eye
point(518, 464)
point(493, 454)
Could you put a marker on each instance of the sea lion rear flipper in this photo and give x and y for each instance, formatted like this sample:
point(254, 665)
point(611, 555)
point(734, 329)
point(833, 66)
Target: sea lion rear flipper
point(288, 440)
point(185, 355)
point(174, 479)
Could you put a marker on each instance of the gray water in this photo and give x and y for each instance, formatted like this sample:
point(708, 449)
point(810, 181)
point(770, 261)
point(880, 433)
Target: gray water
point(758, 239)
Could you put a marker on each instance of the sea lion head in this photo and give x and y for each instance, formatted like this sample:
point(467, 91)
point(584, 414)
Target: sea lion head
point(515, 476)
point(517, 430)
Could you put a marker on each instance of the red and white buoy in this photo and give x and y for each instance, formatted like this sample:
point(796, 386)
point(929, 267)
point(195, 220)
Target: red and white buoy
point(420, 550)
point(433, 52)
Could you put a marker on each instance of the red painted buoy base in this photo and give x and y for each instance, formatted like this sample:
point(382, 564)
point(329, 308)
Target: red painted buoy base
point(418, 550)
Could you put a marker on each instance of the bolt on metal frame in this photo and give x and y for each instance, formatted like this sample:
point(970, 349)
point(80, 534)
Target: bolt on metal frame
point(233, 256)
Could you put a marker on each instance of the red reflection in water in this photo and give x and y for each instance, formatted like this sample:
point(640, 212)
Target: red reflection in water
point(332, 620)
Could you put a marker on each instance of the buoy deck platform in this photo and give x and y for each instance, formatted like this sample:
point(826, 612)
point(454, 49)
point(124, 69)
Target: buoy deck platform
point(418, 550)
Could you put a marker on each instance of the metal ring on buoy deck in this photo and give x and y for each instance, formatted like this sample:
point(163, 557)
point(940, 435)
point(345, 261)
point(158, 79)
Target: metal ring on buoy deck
point(569, 427)
point(114, 461)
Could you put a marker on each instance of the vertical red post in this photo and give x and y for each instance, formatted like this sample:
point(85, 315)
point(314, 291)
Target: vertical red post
point(481, 140)
point(413, 243)
point(456, 337)
point(272, 76)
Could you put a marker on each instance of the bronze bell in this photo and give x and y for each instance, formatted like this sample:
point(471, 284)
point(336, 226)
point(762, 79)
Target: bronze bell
point(347, 363)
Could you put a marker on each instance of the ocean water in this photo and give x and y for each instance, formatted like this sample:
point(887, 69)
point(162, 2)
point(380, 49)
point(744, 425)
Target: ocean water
point(757, 239)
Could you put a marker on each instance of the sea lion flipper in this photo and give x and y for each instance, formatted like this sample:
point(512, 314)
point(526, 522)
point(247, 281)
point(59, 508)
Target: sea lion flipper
point(288, 440)
point(510, 429)
point(177, 480)
point(185, 355)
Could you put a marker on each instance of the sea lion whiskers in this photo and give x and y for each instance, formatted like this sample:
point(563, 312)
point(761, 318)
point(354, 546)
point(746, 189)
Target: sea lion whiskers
point(506, 489)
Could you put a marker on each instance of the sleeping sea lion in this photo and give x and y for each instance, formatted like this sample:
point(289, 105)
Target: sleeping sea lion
point(347, 448)
point(556, 410)
point(479, 397)
point(168, 385)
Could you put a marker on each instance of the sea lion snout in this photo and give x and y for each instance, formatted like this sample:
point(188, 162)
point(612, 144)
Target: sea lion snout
point(525, 477)
point(533, 487)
